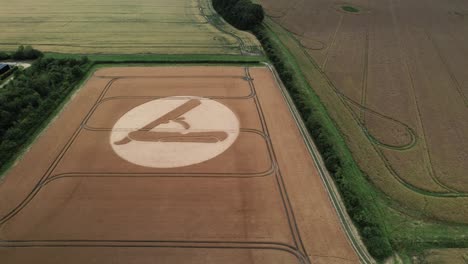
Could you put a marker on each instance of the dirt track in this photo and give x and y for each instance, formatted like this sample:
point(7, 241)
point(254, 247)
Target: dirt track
point(71, 199)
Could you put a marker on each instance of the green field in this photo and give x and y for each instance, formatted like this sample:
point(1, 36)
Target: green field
point(120, 27)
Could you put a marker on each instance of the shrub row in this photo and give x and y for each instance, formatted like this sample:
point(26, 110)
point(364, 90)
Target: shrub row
point(28, 100)
point(22, 53)
point(358, 202)
point(242, 14)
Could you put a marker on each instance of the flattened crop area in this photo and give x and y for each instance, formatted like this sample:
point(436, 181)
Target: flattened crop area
point(171, 165)
point(401, 77)
point(120, 27)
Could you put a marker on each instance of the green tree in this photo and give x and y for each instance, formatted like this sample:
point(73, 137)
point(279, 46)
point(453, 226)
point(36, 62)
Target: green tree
point(77, 72)
point(243, 14)
point(4, 56)
point(32, 96)
point(26, 53)
point(19, 53)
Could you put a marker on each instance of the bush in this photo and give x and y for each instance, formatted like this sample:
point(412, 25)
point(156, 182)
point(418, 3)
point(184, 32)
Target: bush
point(242, 14)
point(4, 56)
point(26, 53)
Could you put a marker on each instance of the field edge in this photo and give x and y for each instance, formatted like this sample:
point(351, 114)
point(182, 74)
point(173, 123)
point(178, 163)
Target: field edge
point(425, 233)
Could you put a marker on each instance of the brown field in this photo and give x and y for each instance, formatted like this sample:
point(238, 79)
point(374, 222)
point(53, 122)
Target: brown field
point(399, 69)
point(72, 199)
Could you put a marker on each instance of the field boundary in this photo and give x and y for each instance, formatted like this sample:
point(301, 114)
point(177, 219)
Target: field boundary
point(332, 191)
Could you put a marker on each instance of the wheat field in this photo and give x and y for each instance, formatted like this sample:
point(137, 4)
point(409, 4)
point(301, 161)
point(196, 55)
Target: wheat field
point(120, 27)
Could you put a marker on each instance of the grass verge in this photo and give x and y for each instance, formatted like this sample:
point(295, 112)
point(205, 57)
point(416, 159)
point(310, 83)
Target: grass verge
point(161, 58)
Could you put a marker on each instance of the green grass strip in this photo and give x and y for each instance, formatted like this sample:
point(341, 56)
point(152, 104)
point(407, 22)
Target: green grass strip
point(160, 58)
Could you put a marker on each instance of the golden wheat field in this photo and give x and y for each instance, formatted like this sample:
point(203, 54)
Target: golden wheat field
point(120, 27)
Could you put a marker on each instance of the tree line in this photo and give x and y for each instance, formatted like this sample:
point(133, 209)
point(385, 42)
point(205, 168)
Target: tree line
point(242, 14)
point(22, 53)
point(32, 96)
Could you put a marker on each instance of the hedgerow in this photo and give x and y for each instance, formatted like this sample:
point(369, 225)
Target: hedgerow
point(357, 200)
point(22, 53)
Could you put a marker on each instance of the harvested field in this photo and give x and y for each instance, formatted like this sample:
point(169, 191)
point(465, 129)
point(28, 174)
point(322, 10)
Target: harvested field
point(121, 27)
point(398, 70)
point(252, 194)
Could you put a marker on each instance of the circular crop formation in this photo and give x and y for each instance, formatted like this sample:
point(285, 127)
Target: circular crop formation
point(174, 132)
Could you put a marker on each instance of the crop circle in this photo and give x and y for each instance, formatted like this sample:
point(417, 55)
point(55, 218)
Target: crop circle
point(174, 132)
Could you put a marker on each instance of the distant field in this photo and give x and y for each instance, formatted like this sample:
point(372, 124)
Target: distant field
point(120, 27)
point(396, 84)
